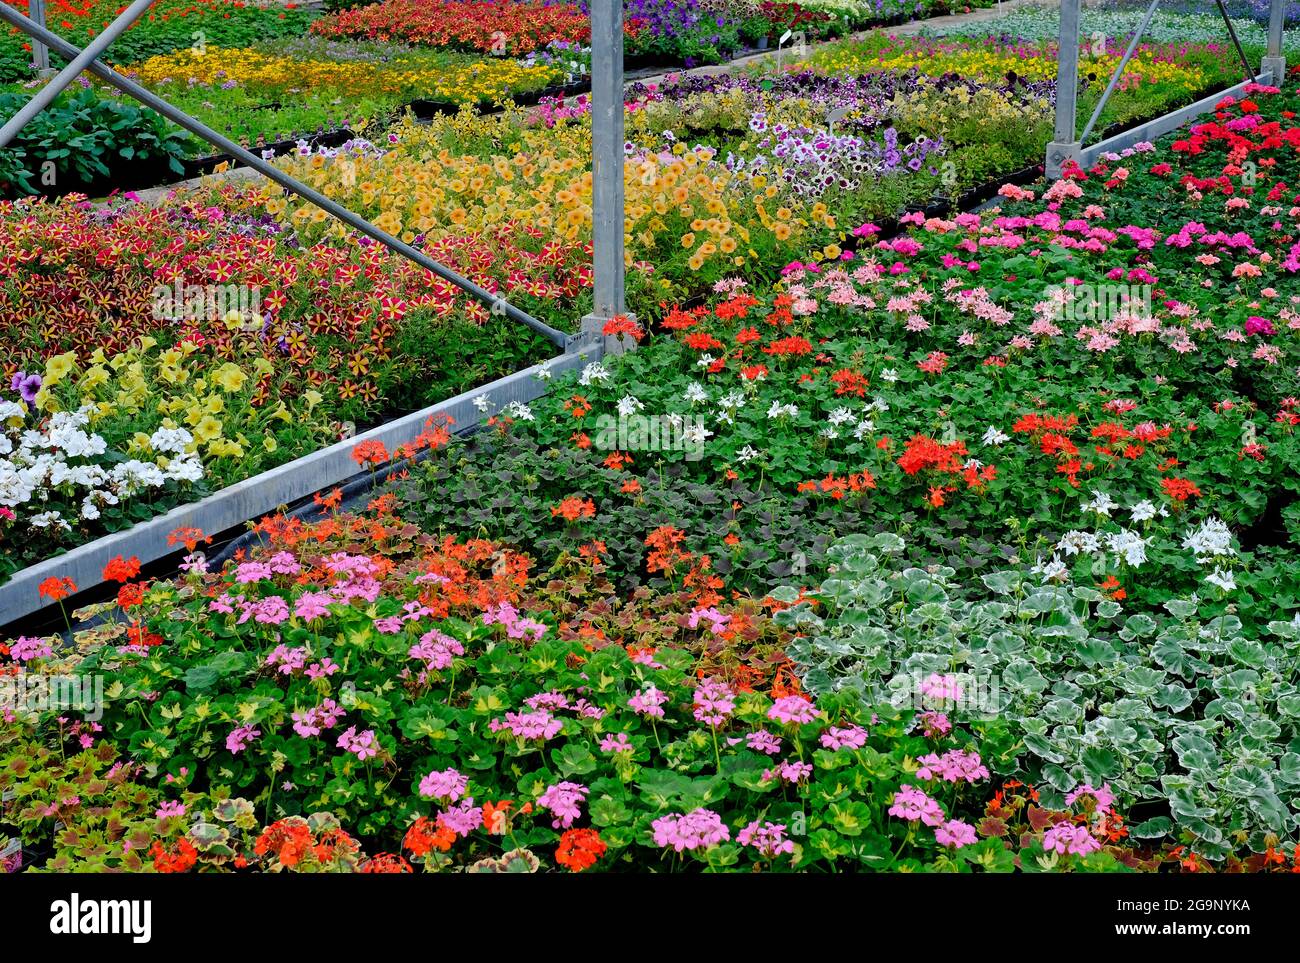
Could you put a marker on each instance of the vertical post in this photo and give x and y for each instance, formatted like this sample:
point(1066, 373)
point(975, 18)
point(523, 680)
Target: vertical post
point(40, 52)
point(1274, 62)
point(607, 165)
point(1065, 144)
point(89, 54)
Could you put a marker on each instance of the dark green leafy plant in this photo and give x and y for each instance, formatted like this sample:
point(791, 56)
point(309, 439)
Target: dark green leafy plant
point(82, 140)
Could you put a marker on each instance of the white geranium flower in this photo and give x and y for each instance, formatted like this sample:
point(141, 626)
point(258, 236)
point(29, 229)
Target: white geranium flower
point(1074, 543)
point(1131, 546)
point(696, 433)
point(49, 520)
point(1212, 540)
point(695, 393)
point(519, 411)
point(1053, 569)
point(1101, 503)
point(1223, 578)
point(1145, 510)
point(188, 469)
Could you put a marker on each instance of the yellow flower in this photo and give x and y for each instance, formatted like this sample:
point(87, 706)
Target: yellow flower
point(59, 367)
point(229, 377)
point(225, 448)
point(207, 430)
point(269, 443)
point(93, 377)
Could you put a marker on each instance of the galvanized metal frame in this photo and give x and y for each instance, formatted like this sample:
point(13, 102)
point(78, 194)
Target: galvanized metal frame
point(608, 165)
point(1066, 146)
point(498, 304)
point(263, 493)
point(40, 52)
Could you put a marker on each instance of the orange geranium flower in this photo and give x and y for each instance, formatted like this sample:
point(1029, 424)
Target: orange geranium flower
point(580, 849)
point(57, 589)
point(121, 569)
point(574, 508)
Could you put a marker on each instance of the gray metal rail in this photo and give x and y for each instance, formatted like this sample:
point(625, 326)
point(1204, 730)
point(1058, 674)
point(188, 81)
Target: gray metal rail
point(328, 467)
point(1067, 147)
point(254, 497)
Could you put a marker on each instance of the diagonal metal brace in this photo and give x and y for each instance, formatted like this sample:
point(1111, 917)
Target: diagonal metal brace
point(45, 96)
point(71, 53)
point(1232, 32)
point(1119, 70)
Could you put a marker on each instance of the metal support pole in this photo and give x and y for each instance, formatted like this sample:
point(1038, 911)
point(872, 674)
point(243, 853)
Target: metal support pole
point(1065, 145)
point(607, 167)
point(225, 144)
point(45, 96)
point(40, 52)
point(1119, 70)
point(1232, 32)
point(1274, 62)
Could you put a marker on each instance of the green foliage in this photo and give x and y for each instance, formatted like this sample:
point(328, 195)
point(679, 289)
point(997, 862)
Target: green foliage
point(82, 139)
